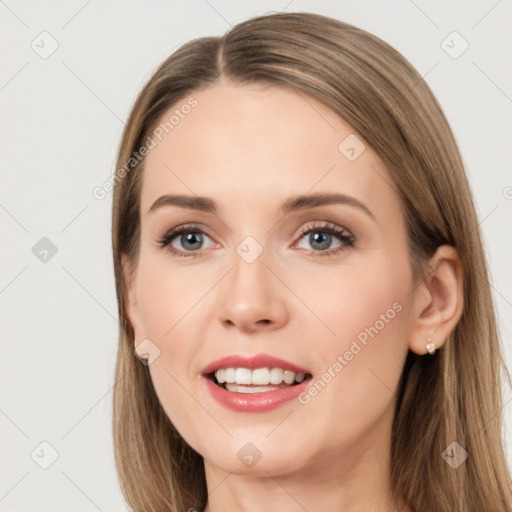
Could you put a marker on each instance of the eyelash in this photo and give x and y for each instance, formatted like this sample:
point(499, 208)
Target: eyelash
point(347, 238)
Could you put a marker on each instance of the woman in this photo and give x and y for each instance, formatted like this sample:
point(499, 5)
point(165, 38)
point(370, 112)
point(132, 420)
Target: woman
point(299, 268)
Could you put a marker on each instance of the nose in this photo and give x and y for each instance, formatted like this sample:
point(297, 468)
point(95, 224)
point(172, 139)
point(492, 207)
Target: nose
point(252, 298)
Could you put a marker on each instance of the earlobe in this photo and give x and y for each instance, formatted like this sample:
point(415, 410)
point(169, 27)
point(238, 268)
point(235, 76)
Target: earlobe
point(438, 302)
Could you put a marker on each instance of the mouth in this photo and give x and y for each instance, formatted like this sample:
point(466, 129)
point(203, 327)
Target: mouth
point(257, 374)
point(258, 380)
point(256, 384)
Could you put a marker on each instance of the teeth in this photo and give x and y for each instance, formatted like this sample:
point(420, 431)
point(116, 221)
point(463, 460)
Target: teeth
point(260, 376)
point(276, 376)
point(230, 375)
point(257, 377)
point(235, 388)
point(300, 377)
point(243, 376)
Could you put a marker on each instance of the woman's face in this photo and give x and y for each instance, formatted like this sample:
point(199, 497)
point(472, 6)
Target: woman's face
point(293, 256)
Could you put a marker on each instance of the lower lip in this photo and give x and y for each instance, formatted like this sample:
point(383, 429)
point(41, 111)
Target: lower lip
point(254, 402)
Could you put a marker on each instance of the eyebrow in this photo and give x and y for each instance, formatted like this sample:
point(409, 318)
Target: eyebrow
point(300, 202)
point(191, 202)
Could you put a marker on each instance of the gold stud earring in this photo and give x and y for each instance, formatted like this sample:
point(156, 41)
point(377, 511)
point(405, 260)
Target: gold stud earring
point(431, 348)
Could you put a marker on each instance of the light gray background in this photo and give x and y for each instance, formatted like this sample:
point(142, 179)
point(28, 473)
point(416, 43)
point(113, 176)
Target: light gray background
point(62, 119)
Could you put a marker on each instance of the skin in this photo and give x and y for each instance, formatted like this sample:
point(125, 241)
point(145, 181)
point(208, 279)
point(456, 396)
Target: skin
point(250, 148)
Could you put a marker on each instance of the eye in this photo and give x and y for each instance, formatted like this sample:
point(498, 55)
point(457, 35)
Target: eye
point(186, 239)
point(325, 239)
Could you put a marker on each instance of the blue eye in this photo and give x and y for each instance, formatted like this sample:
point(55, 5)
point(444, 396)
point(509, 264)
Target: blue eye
point(322, 240)
point(185, 240)
point(326, 239)
point(190, 241)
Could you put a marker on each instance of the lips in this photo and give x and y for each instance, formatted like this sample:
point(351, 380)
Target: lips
point(254, 384)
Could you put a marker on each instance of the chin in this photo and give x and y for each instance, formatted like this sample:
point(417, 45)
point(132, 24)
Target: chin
point(252, 458)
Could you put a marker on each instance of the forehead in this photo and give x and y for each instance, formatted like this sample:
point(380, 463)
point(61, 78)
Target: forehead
point(242, 143)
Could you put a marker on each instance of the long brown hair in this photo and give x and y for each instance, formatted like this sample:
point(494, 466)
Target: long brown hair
point(454, 396)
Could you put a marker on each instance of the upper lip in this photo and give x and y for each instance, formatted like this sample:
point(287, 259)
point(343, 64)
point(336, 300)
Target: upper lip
point(252, 362)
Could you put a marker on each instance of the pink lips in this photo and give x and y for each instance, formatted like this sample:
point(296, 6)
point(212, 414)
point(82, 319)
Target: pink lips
point(253, 402)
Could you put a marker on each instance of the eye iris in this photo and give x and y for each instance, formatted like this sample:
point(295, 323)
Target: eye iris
point(322, 239)
point(189, 239)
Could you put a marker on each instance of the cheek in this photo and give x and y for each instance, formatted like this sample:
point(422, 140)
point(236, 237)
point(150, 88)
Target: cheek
point(166, 297)
point(368, 312)
point(170, 305)
point(348, 300)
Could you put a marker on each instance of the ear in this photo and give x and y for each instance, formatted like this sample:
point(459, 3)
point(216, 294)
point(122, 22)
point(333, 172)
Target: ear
point(131, 302)
point(438, 301)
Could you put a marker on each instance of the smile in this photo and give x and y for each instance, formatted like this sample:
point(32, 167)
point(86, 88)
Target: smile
point(245, 380)
point(255, 384)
